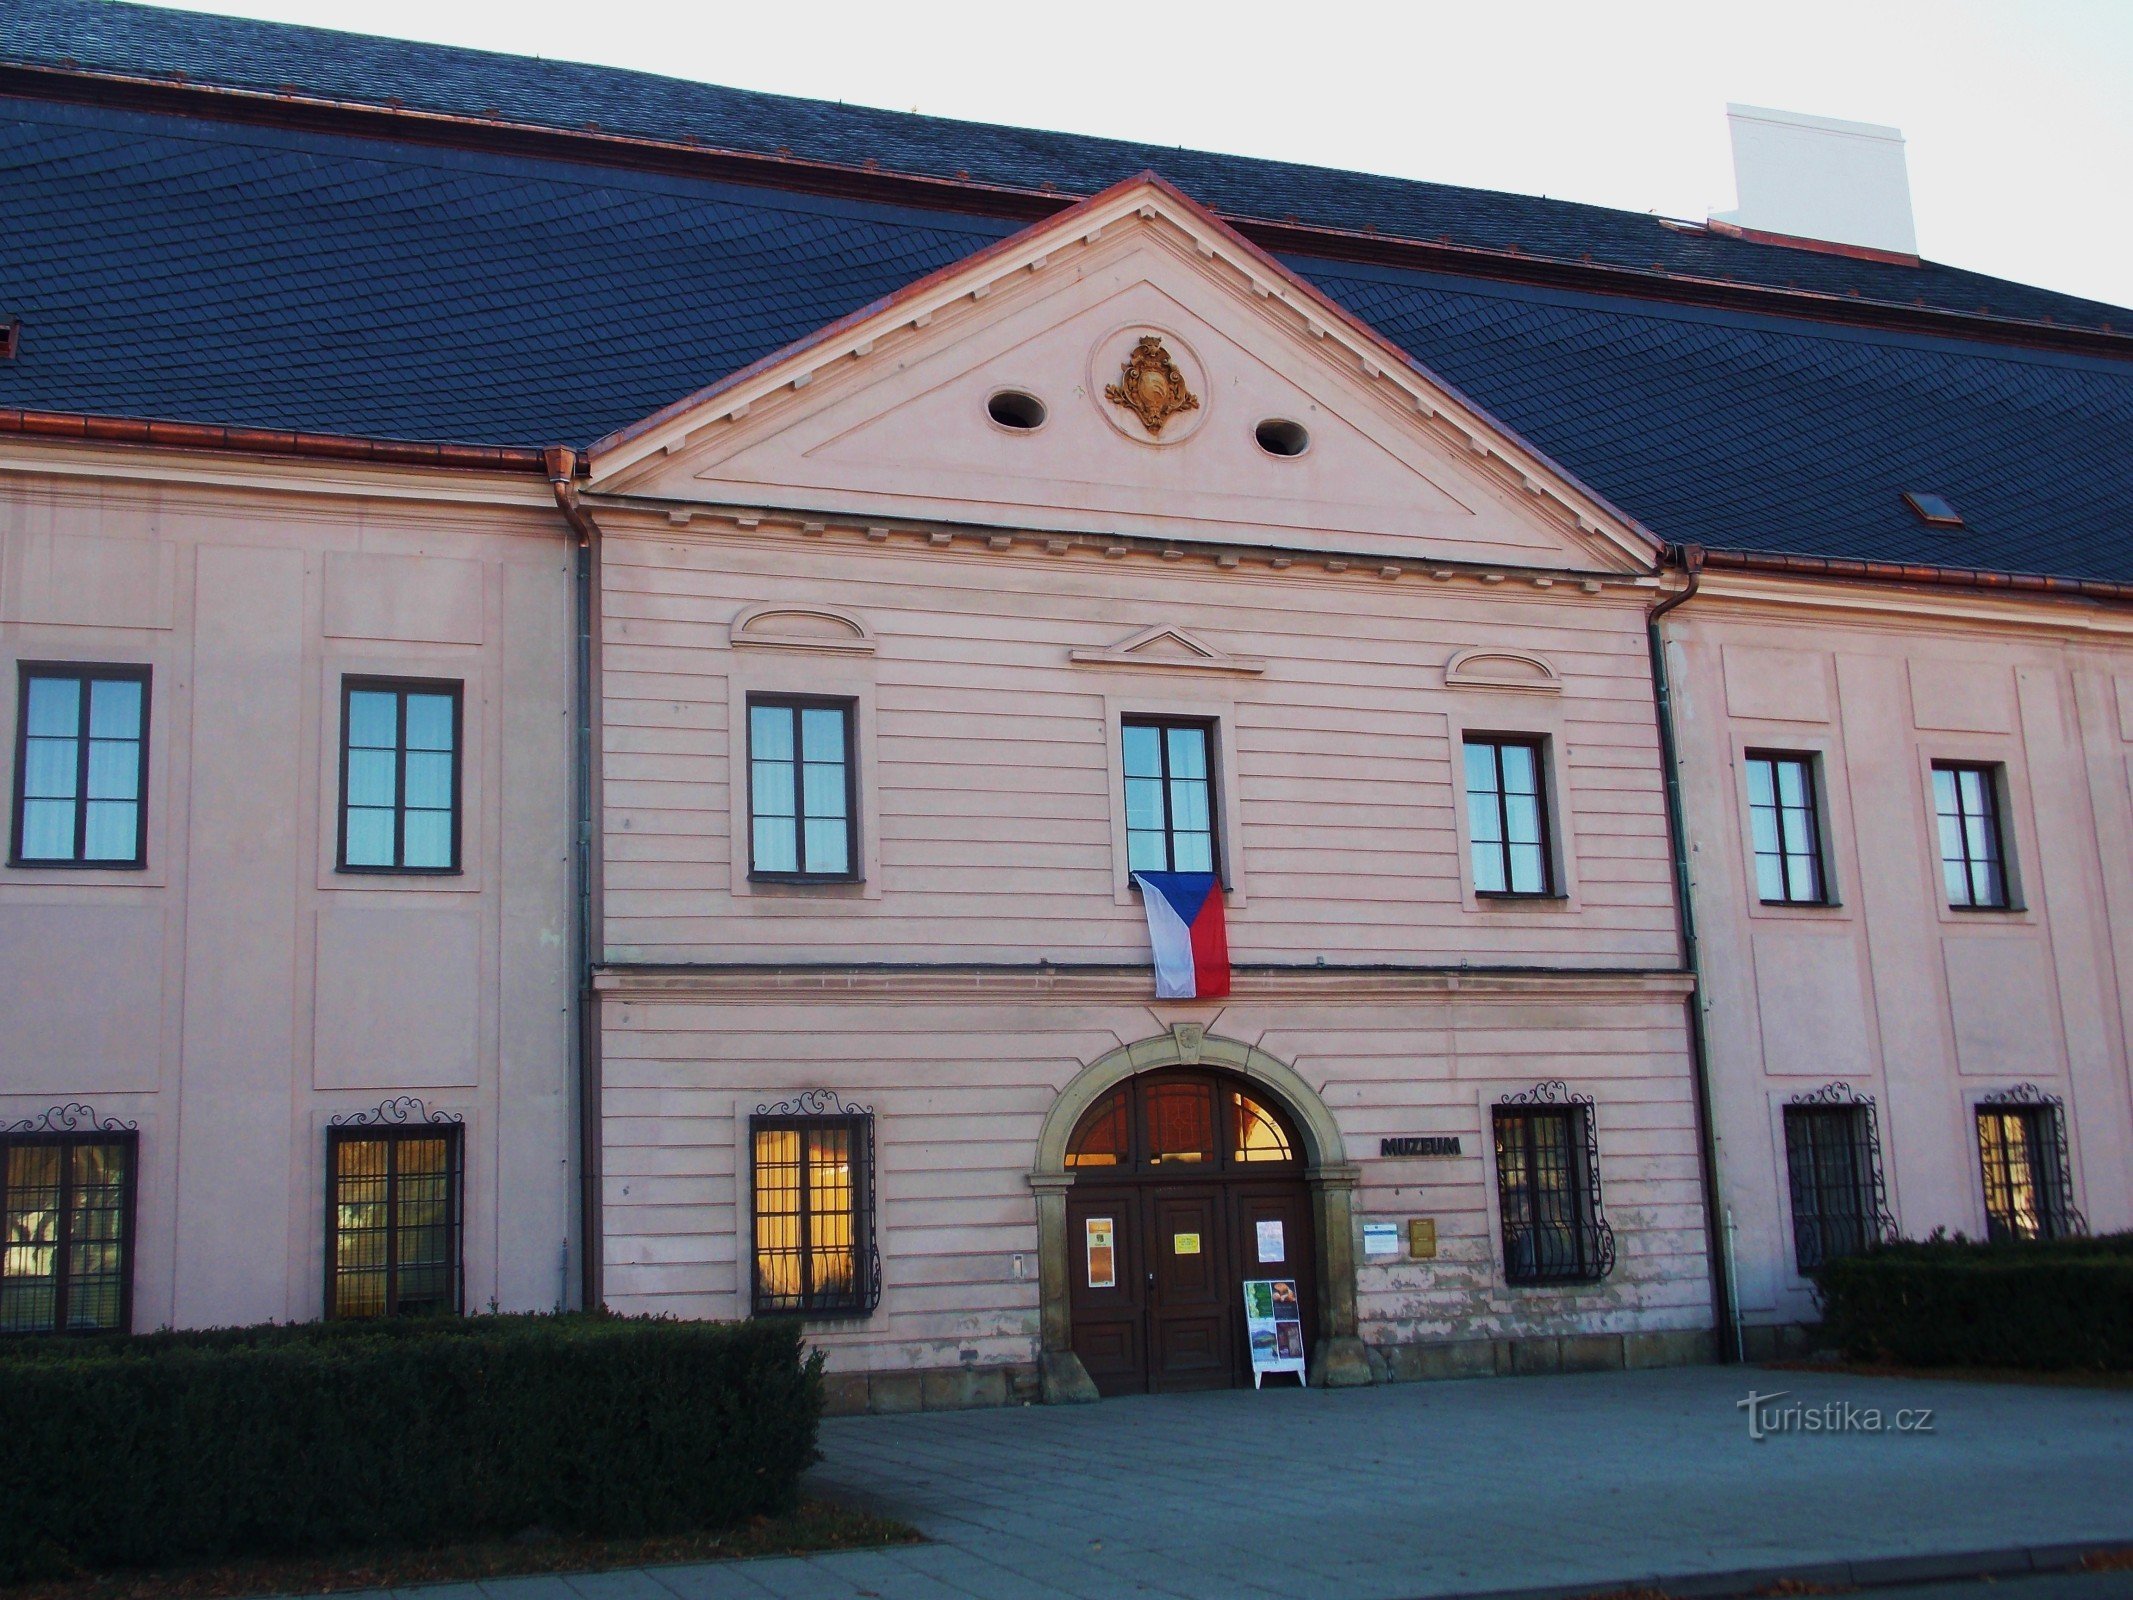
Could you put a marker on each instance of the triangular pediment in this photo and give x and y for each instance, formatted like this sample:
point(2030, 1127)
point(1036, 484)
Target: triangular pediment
point(1170, 649)
point(1130, 366)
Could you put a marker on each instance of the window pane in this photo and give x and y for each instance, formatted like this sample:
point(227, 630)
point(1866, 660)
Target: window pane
point(114, 769)
point(1763, 829)
point(370, 838)
point(48, 830)
point(776, 845)
point(822, 734)
point(1944, 791)
point(828, 845)
point(1145, 852)
point(1522, 814)
point(1188, 805)
point(1144, 751)
point(1144, 803)
point(429, 722)
point(1179, 1123)
point(29, 1239)
point(1100, 1141)
point(1760, 792)
point(96, 1248)
point(370, 777)
point(1970, 788)
point(113, 831)
point(1188, 752)
point(1769, 878)
point(1799, 837)
point(777, 1217)
point(1193, 852)
point(1480, 768)
point(1489, 869)
point(1484, 820)
point(833, 1267)
point(824, 790)
point(373, 719)
point(429, 780)
point(428, 839)
point(771, 788)
point(1520, 769)
point(1527, 874)
point(1792, 782)
point(50, 768)
point(115, 708)
point(1259, 1136)
point(55, 707)
point(770, 733)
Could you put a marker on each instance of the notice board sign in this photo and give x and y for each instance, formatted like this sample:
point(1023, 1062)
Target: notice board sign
point(1273, 1322)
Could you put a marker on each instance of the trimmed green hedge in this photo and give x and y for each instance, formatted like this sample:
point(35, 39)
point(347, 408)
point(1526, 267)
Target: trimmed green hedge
point(280, 1440)
point(1956, 1303)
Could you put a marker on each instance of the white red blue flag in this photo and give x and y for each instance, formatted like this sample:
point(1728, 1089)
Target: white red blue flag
point(1185, 927)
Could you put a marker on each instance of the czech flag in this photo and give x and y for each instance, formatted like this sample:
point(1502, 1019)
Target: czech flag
point(1185, 926)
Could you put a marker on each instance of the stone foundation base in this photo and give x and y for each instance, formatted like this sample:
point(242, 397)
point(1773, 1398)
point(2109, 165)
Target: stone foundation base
point(1570, 1352)
point(847, 1394)
point(1779, 1341)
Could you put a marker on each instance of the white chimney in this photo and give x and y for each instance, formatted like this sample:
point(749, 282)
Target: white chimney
point(1818, 180)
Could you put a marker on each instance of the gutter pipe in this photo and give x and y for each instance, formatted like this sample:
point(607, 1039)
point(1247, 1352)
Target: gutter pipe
point(561, 464)
point(1717, 1245)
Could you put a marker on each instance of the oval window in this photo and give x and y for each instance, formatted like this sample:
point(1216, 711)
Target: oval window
point(1011, 408)
point(1279, 437)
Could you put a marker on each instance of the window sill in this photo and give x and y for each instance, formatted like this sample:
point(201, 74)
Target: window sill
point(1801, 905)
point(1504, 899)
point(801, 880)
point(33, 865)
point(401, 872)
point(1987, 911)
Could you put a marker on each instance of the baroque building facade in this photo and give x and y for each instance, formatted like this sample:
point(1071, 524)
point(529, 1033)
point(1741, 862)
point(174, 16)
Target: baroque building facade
point(589, 695)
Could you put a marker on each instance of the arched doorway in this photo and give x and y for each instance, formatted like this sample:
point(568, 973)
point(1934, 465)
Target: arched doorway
point(1187, 1182)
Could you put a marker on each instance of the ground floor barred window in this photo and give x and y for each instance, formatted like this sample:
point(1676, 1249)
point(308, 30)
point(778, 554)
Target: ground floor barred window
point(1833, 1158)
point(66, 1231)
point(812, 1166)
point(393, 1219)
point(1548, 1189)
point(2021, 1142)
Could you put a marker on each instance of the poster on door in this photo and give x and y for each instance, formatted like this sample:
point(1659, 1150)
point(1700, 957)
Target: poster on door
point(1273, 1323)
point(1103, 1254)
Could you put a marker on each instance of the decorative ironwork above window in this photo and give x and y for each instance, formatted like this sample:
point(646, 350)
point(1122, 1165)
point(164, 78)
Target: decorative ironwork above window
point(1833, 1159)
point(1555, 1228)
point(814, 1250)
point(73, 1117)
point(2028, 1170)
point(399, 1111)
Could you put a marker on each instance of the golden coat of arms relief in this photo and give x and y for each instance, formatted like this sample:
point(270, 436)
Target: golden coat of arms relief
point(1150, 385)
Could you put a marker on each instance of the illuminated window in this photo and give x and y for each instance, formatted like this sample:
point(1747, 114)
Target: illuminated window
point(1102, 1138)
point(393, 1220)
point(1179, 1116)
point(1260, 1137)
point(814, 1208)
point(81, 758)
point(66, 1232)
point(399, 775)
point(2022, 1148)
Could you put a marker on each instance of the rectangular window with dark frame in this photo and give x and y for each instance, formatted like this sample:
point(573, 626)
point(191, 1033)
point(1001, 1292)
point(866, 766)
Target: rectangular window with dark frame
point(801, 795)
point(393, 1209)
point(1547, 1192)
point(66, 1232)
point(2022, 1149)
point(1786, 830)
point(81, 766)
point(1833, 1160)
point(1507, 816)
point(1170, 795)
point(813, 1186)
point(400, 740)
point(1973, 853)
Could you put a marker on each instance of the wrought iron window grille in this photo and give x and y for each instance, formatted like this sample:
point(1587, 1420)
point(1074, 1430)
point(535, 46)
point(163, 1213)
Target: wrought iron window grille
point(807, 1258)
point(1555, 1228)
point(2048, 1160)
point(399, 1110)
point(67, 1198)
point(1833, 1161)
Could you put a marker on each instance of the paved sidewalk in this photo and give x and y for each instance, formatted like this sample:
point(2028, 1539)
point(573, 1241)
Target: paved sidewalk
point(1431, 1489)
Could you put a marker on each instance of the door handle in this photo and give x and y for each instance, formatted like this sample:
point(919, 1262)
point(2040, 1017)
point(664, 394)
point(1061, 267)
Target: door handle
point(1151, 1277)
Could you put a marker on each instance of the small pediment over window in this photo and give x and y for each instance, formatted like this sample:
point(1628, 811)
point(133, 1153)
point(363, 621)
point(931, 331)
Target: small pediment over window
point(784, 627)
point(1169, 648)
point(1501, 669)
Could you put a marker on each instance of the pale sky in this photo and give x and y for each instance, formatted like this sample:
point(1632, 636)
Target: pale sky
point(2018, 114)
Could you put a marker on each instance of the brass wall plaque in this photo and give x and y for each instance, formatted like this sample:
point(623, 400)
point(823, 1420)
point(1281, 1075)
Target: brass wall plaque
point(1421, 1238)
point(1150, 385)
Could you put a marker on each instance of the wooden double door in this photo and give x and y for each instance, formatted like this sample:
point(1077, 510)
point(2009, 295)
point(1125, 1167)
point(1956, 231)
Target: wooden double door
point(1160, 1247)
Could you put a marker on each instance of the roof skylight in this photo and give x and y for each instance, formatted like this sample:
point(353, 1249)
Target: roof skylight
point(1935, 510)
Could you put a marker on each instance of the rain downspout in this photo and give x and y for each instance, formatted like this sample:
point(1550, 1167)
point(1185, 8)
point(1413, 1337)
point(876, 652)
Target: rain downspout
point(562, 465)
point(1724, 1306)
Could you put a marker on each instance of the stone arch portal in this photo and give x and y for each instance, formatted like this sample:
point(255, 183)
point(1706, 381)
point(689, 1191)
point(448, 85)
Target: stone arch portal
point(1337, 1356)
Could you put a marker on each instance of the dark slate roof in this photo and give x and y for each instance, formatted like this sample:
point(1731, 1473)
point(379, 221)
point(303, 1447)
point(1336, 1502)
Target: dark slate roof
point(244, 276)
point(230, 52)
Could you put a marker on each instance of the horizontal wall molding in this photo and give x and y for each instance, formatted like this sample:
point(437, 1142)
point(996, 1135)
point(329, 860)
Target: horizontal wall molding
point(1017, 984)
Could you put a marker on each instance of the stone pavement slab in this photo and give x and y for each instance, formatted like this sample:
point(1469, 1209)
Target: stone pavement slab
point(1438, 1489)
